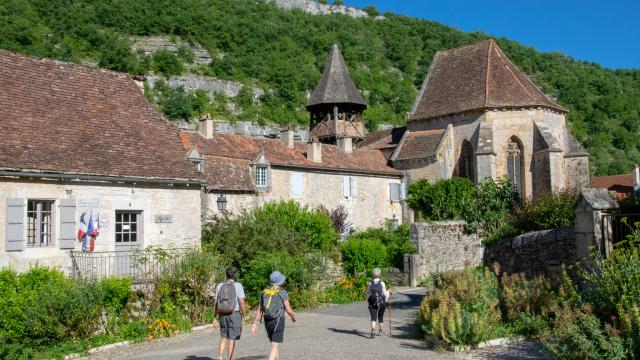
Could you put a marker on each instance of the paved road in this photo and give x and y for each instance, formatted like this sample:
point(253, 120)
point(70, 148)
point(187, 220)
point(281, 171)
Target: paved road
point(334, 332)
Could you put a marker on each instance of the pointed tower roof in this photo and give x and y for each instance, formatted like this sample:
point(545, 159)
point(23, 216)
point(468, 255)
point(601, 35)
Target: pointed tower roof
point(474, 77)
point(335, 85)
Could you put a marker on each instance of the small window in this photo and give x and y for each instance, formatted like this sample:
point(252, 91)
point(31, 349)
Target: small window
point(199, 165)
point(297, 184)
point(350, 186)
point(39, 222)
point(394, 192)
point(127, 227)
point(261, 176)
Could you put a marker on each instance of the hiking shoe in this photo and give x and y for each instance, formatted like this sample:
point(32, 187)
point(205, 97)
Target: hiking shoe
point(380, 333)
point(373, 334)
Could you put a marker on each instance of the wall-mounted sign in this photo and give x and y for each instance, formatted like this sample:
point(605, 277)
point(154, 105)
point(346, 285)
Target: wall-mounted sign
point(165, 219)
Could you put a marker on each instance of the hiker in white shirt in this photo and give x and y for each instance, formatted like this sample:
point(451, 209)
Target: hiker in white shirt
point(377, 297)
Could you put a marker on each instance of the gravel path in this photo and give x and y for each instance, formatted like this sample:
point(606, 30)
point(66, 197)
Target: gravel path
point(335, 332)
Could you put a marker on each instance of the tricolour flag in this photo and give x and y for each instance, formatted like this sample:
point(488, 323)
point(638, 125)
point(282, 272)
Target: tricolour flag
point(82, 230)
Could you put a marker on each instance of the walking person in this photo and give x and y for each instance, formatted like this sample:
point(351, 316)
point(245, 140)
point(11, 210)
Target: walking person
point(377, 297)
point(231, 310)
point(274, 302)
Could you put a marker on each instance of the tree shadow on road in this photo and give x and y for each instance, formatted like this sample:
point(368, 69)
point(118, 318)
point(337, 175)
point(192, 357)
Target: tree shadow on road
point(350, 332)
point(194, 357)
point(252, 357)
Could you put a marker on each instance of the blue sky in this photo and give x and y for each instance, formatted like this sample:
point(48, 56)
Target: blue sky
point(605, 32)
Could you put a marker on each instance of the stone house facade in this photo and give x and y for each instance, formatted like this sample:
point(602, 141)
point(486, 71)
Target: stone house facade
point(84, 143)
point(477, 116)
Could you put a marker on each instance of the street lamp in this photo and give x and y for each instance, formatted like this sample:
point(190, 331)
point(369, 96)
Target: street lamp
point(222, 203)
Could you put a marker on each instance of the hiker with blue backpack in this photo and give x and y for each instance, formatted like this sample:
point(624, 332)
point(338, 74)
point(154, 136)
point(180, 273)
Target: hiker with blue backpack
point(377, 298)
point(274, 303)
point(230, 307)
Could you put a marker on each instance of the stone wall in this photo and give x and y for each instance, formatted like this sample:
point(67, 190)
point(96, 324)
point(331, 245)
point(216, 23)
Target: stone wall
point(370, 208)
point(441, 246)
point(535, 253)
point(179, 228)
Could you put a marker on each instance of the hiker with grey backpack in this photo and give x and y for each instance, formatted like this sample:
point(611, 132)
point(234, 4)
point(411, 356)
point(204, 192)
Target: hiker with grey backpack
point(229, 306)
point(274, 303)
point(377, 298)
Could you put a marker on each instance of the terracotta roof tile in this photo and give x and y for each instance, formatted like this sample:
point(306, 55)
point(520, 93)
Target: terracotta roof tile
point(609, 181)
point(65, 118)
point(419, 144)
point(230, 174)
point(474, 77)
point(278, 154)
point(383, 139)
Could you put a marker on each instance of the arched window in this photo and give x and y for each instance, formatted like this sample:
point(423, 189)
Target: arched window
point(514, 164)
point(465, 164)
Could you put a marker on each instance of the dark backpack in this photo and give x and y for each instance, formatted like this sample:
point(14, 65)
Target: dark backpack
point(226, 299)
point(376, 297)
point(272, 304)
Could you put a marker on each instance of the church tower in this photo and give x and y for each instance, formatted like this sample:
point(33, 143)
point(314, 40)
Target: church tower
point(336, 106)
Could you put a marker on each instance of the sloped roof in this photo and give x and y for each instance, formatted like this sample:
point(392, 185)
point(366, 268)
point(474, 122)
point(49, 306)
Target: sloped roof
point(335, 85)
point(419, 144)
point(475, 77)
point(382, 139)
point(63, 118)
point(247, 149)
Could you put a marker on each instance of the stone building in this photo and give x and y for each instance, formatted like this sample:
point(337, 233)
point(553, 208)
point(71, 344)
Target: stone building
point(79, 142)
point(244, 172)
point(478, 116)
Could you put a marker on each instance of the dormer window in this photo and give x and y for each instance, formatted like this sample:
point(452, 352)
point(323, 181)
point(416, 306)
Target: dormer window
point(261, 176)
point(199, 164)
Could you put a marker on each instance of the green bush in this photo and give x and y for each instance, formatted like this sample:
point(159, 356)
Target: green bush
point(275, 227)
point(494, 200)
point(449, 199)
point(167, 63)
point(546, 211)
point(115, 293)
point(361, 255)
point(395, 239)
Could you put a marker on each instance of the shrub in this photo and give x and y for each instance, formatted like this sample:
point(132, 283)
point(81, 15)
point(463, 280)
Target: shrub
point(115, 293)
point(580, 336)
point(462, 309)
point(494, 199)
point(395, 239)
point(167, 63)
point(275, 227)
point(449, 199)
point(546, 211)
point(363, 254)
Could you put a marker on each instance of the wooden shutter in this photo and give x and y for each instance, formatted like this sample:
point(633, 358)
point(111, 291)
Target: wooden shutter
point(346, 186)
point(67, 223)
point(403, 191)
point(394, 192)
point(297, 184)
point(14, 240)
point(354, 186)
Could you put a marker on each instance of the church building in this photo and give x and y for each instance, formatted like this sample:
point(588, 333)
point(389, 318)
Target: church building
point(478, 116)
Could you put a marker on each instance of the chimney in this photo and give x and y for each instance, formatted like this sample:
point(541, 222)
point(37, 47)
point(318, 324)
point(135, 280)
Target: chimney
point(286, 135)
point(206, 126)
point(345, 144)
point(636, 177)
point(314, 150)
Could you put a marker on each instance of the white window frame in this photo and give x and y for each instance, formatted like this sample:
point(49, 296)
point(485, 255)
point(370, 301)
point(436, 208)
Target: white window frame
point(119, 221)
point(40, 228)
point(262, 176)
point(199, 164)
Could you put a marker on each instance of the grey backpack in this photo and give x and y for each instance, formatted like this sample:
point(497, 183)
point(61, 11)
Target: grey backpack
point(272, 304)
point(227, 299)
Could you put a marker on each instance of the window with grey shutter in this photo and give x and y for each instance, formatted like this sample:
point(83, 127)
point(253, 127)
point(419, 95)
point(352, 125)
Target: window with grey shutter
point(394, 192)
point(14, 240)
point(67, 223)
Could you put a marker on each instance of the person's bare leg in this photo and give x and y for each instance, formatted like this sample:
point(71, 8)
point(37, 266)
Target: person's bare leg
point(222, 345)
point(231, 348)
point(274, 353)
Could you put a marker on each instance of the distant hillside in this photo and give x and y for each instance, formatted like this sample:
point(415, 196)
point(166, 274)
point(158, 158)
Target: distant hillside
point(280, 55)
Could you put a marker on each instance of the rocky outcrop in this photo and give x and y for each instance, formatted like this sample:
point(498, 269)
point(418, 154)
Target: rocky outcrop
point(316, 8)
point(211, 85)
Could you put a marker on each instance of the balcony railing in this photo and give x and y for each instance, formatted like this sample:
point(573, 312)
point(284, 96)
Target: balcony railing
point(141, 265)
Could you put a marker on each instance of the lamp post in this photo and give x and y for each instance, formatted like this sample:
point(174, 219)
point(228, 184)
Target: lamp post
point(222, 203)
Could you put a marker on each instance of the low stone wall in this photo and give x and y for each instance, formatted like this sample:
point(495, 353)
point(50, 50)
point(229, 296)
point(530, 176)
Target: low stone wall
point(441, 246)
point(535, 253)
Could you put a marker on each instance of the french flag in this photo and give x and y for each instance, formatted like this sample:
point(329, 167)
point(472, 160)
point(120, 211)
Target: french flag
point(89, 233)
point(82, 230)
